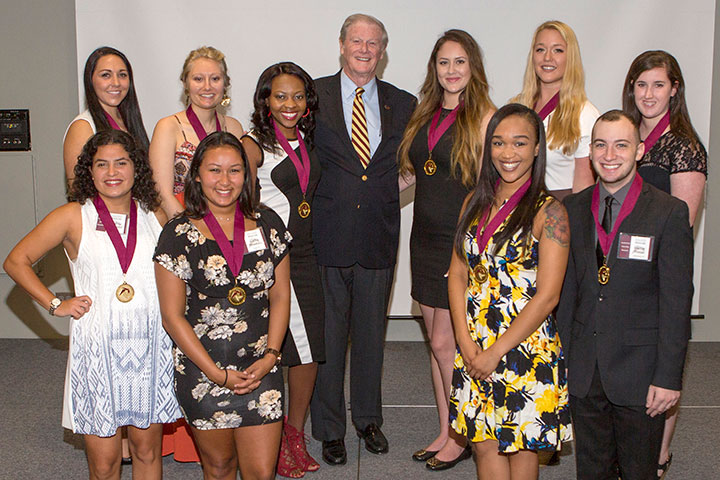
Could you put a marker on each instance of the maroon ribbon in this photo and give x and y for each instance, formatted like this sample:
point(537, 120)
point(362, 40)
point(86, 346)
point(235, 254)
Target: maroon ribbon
point(549, 107)
point(233, 253)
point(197, 125)
point(605, 239)
point(302, 167)
point(657, 132)
point(435, 132)
point(111, 121)
point(500, 216)
point(124, 253)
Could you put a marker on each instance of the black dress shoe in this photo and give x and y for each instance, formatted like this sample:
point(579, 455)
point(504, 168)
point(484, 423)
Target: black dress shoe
point(375, 441)
point(333, 452)
point(436, 465)
point(423, 455)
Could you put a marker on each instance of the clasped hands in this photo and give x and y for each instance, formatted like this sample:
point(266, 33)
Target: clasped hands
point(479, 363)
point(245, 381)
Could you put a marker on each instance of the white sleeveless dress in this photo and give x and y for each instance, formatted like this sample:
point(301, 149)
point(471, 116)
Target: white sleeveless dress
point(120, 367)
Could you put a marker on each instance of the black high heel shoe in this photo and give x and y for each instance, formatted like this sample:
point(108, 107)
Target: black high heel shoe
point(664, 467)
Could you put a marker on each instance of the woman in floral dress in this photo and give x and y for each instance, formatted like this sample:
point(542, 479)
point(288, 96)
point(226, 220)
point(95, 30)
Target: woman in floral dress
point(229, 335)
point(509, 394)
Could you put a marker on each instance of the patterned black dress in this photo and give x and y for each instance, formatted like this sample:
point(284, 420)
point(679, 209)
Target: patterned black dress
point(234, 336)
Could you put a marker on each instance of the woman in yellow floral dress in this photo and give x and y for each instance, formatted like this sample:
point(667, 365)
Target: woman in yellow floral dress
point(509, 392)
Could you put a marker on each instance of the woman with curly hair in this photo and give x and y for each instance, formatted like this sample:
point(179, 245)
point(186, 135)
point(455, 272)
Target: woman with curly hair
point(441, 151)
point(226, 306)
point(206, 83)
point(554, 86)
point(120, 356)
point(280, 149)
point(111, 103)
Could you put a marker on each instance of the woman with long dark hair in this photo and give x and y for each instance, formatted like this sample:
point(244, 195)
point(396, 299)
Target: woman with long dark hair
point(675, 160)
point(441, 151)
point(280, 150)
point(509, 394)
point(111, 103)
point(120, 356)
point(224, 287)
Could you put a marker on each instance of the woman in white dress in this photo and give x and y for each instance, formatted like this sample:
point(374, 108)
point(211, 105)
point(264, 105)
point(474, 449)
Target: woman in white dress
point(111, 103)
point(119, 365)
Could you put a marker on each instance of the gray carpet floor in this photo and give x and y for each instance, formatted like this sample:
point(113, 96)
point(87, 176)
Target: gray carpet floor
point(33, 445)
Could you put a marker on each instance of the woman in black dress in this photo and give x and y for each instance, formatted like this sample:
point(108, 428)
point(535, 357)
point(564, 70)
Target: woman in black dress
point(227, 360)
point(453, 111)
point(675, 160)
point(280, 148)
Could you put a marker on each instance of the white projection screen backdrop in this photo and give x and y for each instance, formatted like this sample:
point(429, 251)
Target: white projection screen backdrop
point(157, 35)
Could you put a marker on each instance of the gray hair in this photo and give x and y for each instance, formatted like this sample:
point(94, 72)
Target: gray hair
point(361, 17)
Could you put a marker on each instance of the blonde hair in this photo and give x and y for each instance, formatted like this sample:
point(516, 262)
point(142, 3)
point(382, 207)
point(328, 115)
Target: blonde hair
point(563, 132)
point(467, 142)
point(210, 53)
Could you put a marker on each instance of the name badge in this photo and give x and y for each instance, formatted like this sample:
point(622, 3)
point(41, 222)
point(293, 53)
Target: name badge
point(635, 247)
point(119, 219)
point(255, 240)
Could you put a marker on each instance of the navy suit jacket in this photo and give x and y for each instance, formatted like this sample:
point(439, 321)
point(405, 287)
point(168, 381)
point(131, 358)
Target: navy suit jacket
point(635, 328)
point(356, 211)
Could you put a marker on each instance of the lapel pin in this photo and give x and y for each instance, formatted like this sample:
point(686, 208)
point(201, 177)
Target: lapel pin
point(387, 107)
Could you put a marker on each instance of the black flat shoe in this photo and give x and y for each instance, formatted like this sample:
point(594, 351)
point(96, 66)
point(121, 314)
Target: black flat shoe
point(333, 452)
point(423, 455)
point(436, 465)
point(375, 441)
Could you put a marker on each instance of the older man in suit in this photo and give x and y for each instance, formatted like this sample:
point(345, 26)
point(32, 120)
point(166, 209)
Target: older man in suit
point(624, 315)
point(356, 225)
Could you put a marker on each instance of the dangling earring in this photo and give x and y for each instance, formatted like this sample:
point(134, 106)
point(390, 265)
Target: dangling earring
point(225, 102)
point(269, 114)
point(307, 112)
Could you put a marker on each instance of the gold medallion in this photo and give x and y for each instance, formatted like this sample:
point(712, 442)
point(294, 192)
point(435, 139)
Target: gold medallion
point(604, 275)
point(236, 295)
point(430, 167)
point(304, 209)
point(480, 273)
point(125, 292)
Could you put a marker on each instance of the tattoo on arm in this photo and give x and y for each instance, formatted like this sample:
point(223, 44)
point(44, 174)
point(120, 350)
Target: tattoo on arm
point(557, 226)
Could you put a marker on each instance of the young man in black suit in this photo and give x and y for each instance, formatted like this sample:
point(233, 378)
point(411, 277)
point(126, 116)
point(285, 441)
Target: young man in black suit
point(356, 225)
point(624, 314)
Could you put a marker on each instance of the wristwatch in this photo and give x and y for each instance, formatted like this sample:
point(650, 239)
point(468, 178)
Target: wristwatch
point(54, 304)
point(277, 354)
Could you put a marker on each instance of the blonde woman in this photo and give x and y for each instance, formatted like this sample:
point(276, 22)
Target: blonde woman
point(554, 86)
point(440, 152)
point(206, 82)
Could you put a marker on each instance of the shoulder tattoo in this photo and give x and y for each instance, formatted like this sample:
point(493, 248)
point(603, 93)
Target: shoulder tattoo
point(557, 226)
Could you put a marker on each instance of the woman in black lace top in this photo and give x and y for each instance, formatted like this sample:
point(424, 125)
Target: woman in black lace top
point(675, 160)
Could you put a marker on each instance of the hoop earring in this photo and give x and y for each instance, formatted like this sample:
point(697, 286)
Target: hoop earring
point(307, 112)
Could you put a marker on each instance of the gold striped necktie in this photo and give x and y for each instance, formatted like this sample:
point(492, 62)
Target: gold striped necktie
point(359, 128)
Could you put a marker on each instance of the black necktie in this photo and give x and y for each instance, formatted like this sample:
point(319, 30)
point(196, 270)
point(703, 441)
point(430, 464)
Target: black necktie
point(607, 226)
